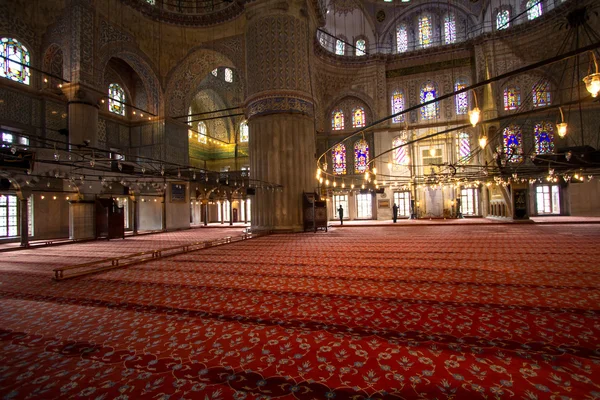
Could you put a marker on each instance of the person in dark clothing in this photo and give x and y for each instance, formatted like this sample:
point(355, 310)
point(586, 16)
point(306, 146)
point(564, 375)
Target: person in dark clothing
point(395, 212)
point(341, 214)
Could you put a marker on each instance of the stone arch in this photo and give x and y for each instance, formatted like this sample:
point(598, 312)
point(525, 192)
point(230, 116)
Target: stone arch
point(368, 100)
point(188, 74)
point(141, 64)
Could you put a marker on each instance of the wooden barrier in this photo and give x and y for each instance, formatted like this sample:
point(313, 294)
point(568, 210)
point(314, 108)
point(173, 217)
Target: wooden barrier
point(106, 264)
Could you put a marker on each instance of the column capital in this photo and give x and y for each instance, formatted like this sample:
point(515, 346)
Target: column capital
point(80, 93)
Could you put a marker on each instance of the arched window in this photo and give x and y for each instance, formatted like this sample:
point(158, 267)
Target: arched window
point(461, 100)
point(16, 54)
point(534, 9)
point(337, 120)
point(358, 117)
point(512, 98)
point(215, 72)
point(400, 154)
point(202, 133)
point(361, 156)
point(502, 19)
point(340, 47)
point(244, 134)
point(361, 47)
point(116, 99)
point(541, 94)
point(449, 29)
point(338, 154)
point(397, 106)
point(428, 93)
point(544, 138)
point(228, 75)
point(513, 143)
point(401, 38)
point(425, 31)
point(463, 144)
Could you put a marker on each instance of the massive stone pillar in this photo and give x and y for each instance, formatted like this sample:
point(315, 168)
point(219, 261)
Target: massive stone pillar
point(280, 111)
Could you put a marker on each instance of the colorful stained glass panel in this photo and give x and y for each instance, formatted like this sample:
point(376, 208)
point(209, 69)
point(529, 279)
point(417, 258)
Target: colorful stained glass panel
point(502, 19)
point(338, 155)
point(544, 138)
point(358, 118)
point(541, 95)
point(425, 31)
point(361, 156)
point(14, 61)
point(397, 106)
point(401, 39)
point(461, 100)
point(116, 99)
point(337, 120)
point(361, 47)
point(428, 93)
point(449, 29)
point(513, 143)
point(512, 98)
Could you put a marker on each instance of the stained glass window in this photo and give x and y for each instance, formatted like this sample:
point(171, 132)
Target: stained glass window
point(244, 133)
point(228, 75)
point(541, 94)
point(338, 155)
point(340, 47)
point(361, 47)
point(116, 99)
point(215, 72)
point(358, 117)
point(544, 138)
point(400, 154)
point(425, 31)
point(534, 9)
point(337, 120)
point(449, 29)
point(461, 100)
point(512, 98)
point(397, 106)
point(463, 147)
point(502, 19)
point(202, 132)
point(513, 143)
point(16, 54)
point(361, 156)
point(428, 93)
point(401, 39)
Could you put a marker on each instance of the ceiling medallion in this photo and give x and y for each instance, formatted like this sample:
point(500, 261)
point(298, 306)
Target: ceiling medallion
point(380, 16)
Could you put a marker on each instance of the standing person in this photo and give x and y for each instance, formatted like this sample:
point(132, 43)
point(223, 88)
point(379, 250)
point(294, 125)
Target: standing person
point(395, 212)
point(341, 214)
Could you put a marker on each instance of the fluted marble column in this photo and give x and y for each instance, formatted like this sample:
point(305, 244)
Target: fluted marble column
point(280, 111)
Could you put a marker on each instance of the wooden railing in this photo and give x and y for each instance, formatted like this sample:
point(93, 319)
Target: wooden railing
point(73, 271)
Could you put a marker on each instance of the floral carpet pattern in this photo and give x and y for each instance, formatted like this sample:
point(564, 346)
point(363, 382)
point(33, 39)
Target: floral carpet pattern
point(434, 312)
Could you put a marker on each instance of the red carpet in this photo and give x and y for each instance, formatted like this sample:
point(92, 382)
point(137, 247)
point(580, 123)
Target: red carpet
point(434, 312)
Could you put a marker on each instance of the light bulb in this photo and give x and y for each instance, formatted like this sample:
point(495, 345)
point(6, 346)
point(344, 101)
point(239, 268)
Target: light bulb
point(352, 186)
point(326, 182)
point(592, 84)
point(375, 170)
point(483, 141)
point(474, 116)
point(562, 129)
point(334, 183)
point(432, 151)
point(390, 166)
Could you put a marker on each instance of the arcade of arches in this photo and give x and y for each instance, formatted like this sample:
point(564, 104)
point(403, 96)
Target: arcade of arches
point(188, 122)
